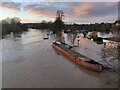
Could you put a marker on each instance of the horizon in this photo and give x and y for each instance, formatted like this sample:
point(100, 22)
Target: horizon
point(75, 12)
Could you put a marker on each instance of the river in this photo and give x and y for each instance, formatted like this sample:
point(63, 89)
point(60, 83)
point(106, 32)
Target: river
point(28, 61)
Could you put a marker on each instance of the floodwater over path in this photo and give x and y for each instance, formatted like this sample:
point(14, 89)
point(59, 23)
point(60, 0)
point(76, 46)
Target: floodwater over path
point(29, 61)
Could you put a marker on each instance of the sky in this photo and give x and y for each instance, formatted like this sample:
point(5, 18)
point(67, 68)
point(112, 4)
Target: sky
point(75, 11)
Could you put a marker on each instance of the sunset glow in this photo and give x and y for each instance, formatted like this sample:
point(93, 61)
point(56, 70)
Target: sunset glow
point(78, 12)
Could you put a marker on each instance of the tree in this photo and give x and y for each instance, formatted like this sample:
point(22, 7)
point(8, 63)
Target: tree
point(60, 14)
point(58, 23)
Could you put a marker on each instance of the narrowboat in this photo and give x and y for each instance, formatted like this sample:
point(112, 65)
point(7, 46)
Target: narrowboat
point(77, 57)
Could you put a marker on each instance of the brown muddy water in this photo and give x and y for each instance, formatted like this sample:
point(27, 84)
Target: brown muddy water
point(29, 61)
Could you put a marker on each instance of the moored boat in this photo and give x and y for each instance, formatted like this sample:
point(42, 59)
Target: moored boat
point(77, 57)
point(46, 38)
point(45, 35)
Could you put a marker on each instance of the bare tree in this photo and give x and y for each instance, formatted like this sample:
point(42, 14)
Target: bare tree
point(60, 15)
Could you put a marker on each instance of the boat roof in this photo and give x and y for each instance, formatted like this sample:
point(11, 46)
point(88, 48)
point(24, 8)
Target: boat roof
point(74, 52)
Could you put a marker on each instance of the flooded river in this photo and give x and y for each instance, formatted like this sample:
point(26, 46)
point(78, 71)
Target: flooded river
point(28, 61)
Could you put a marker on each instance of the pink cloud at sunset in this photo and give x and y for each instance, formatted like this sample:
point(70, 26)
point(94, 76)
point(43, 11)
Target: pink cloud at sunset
point(39, 12)
point(83, 10)
point(74, 11)
point(10, 9)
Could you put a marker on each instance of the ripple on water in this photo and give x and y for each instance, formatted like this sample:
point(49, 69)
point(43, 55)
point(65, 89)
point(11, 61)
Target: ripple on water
point(32, 63)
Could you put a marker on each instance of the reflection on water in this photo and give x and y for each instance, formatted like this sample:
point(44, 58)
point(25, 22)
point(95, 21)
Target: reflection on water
point(32, 37)
point(30, 62)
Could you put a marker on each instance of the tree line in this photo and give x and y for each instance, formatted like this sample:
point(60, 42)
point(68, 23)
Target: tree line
point(57, 25)
point(12, 25)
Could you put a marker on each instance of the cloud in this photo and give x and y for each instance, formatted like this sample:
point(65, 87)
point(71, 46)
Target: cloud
point(38, 10)
point(8, 9)
point(74, 11)
point(10, 6)
point(45, 9)
point(95, 9)
point(82, 10)
point(52, 0)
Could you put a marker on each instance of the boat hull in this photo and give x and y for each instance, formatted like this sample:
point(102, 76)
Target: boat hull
point(46, 38)
point(93, 67)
